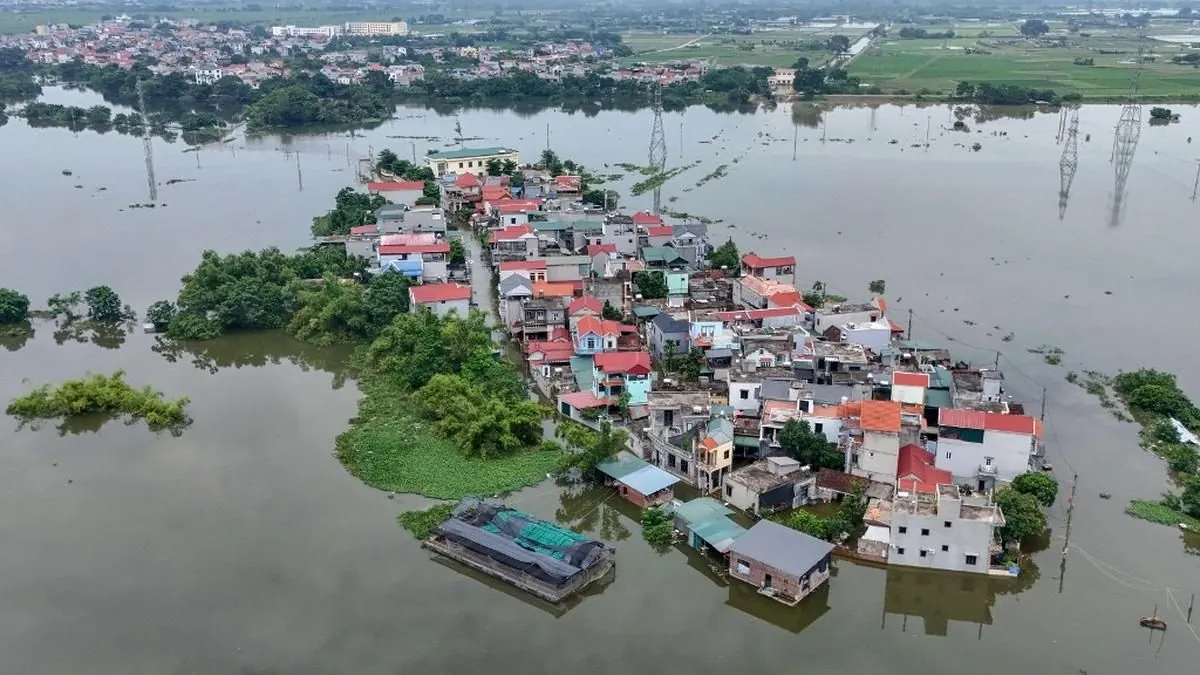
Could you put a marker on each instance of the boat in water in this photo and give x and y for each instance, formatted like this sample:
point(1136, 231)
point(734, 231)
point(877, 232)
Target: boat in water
point(1153, 623)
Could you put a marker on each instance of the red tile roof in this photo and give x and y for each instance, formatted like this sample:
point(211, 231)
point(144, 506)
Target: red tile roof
point(512, 233)
point(646, 218)
point(365, 229)
point(633, 363)
point(512, 265)
point(660, 231)
point(568, 183)
point(880, 416)
point(581, 400)
point(754, 261)
point(590, 324)
point(915, 471)
point(402, 249)
point(409, 239)
point(552, 352)
point(496, 192)
point(426, 293)
point(546, 289)
point(579, 304)
point(467, 180)
point(518, 205)
point(788, 299)
point(396, 185)
point(901, 378)
point(896, 328)
point(594, 250)
point(989, 421)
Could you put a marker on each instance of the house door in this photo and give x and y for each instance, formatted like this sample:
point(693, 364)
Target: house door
point(982, 486)
point(767, 581)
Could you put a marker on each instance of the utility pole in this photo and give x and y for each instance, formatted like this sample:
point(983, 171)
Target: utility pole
point(658, 143)
point(1043, 416)
point(1190, 606)
point(910, 324)
point(996, 365)
point(1196, 186)
point(822, 128)
point(928, 121)
point(547, 135)
point(795, 138)
point(299, 175)
point(1062, 567)
point(414, 151)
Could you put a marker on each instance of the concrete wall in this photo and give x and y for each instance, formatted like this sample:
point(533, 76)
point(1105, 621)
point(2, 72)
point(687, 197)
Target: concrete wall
point(743, 396)
point(906, 394)
point(962, 538)
point(462, 307)
point(755, 573)
point(873, 336)
point(739, 496)
point(878, 456)
point(1009, 453)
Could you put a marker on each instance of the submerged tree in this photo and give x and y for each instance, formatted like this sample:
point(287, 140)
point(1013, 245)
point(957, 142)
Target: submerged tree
point(14, 306)
point(103, 304)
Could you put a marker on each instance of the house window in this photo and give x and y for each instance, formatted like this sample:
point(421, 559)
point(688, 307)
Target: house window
point(900, 551)
point(744, 394)
point(987, 461)
point(947, 454)
point(728, 490)
point(671, 461)
point(971, 560)
point(903, 529)
point(683, 465)
point(819, 427)
point(726, 455)
point(947, 523)
point(924, 532)
point(945, 548)
point(924, 553)
point(591, 344)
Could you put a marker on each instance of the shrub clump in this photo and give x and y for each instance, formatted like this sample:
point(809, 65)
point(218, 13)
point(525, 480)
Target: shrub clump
point(102, 394)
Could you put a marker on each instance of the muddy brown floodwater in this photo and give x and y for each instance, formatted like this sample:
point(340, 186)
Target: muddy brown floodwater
point(244, 547)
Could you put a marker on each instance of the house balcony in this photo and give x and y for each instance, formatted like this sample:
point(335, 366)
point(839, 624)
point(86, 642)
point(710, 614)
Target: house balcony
point(987, 470)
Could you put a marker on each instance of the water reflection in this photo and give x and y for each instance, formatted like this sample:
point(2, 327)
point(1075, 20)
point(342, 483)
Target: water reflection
point(938, 598)
point(103, 335)
point(257, 349)
point(807, 115)
point(14, 337)
point(557, 610)
point(595, 510)
point(746, 598)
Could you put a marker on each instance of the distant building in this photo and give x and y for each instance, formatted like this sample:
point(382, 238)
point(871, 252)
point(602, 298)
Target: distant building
point(468, 160)
point(773, 483)
point(206, 73)
point(441, 299)
point(376, 28)
point(305, 31)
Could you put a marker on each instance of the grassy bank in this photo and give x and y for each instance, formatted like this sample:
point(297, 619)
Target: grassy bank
point(388, 448)
point(1163, 514)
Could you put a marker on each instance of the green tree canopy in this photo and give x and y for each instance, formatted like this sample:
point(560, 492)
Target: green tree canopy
point(103, 304)
point(727, 257)
point(1034, 28)
point(808, 447)
point(14, 306)
point(651, 284)
point(458, 252)
point(1041, 485)
point(612, 313)
point(351, 209)
point(1023, 516)
point(161, 313)
point(484, 425)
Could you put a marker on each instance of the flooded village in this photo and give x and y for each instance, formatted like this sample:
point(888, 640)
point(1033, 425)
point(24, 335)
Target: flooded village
point(753, 396)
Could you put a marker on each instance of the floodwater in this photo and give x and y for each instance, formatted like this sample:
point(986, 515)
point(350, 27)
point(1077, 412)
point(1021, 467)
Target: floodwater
point(243, 547)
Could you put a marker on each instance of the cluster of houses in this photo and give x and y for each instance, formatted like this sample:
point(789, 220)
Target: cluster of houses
point(708, 376)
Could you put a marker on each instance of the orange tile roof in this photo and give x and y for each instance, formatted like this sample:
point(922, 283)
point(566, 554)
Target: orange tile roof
point(546, 289)
point(881, 416)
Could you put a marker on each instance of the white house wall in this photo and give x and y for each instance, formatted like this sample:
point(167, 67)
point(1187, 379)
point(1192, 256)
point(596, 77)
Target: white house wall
point(1009, 453)
point(878, 456)
point(906, 394)
point(963, 538)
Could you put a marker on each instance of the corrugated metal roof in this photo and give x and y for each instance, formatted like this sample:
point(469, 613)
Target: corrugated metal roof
point(781, 547)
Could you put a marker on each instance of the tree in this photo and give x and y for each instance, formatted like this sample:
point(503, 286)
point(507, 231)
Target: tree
point(508, 168)
point(1189, 500)
point(458, 253)
point(651, 284)
point(330, 313)
point(692, 364)
point(657, 528)
point(1159, 113)
point(594, 447)
point(485, 426)
point(431, 195)
point(1023, 516)
point(877, 287)
point(1034, 28)
point(809, 523)
point(1041, 485)
point(611, 313)
point(808, 447)
point(160, 314)
point(726, 257)
point(65, 306)
point(494, 167)
point(670, 347)
point(623, 403)
point(838, 44)
point(14, 306)
point(103, 304)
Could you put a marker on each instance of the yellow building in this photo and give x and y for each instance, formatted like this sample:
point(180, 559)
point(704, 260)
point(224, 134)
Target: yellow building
point(468, 160)
point(376, 28)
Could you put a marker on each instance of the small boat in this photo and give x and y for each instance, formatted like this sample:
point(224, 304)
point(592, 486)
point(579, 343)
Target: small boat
point(1105, 495)
point(1153, 623)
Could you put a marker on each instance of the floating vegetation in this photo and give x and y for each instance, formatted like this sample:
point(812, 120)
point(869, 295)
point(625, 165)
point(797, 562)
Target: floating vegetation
point(719, 172)
point(103, 395)
point(635, 168)
point(1051, 355)
point(1008, 338)
point(656, 180)
point(422, 521)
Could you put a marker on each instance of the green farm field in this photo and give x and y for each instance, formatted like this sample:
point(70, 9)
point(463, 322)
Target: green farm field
point(777, 49)
point(937, 66)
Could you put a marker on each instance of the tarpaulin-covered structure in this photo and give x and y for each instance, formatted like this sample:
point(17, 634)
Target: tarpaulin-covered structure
point(551, 554)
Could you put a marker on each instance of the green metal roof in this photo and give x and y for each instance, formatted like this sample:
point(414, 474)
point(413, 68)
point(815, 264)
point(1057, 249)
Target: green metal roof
point(588, 225)
point(646, 312)
point(581, 370)
point(719, 532)
point(551, 226)
point(701, 509)
point(622, 465)
point(938, 398)
point(663, 254)
point(469, 153)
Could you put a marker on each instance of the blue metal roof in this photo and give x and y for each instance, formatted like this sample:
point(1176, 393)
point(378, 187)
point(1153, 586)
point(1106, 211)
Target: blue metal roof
point(649, 479)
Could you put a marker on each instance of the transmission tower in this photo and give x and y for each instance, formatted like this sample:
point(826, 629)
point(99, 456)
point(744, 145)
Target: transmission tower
point(1125, 140)
point(658, 144)
point(1069, 162)
point(147, 148)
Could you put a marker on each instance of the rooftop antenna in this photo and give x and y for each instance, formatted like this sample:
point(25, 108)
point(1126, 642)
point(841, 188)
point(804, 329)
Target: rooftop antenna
point(658, 144)
point(1068, 163)
point(147, 148)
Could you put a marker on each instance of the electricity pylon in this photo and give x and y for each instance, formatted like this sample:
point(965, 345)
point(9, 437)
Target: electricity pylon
point(658, 144)
point(1069, 162)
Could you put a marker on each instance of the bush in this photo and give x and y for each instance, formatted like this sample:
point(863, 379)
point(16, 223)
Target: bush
point(422, 522)
point(102, 394)
point(656, 527)
point(1042, 486)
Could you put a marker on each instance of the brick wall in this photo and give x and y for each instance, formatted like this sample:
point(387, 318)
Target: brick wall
point(780, 580)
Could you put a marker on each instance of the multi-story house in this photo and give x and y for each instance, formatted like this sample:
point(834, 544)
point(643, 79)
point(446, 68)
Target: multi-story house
point(935, 525)
point(422, 256)
point(980, 448)
point(468, 160)
point(781, 269)
point(616, 373)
